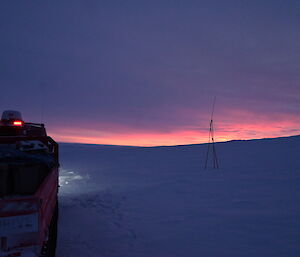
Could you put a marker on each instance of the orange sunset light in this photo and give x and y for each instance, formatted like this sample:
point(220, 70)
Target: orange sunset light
point(223, 132)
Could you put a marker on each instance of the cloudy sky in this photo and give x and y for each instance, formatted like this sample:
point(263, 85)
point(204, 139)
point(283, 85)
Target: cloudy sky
point(146, 72)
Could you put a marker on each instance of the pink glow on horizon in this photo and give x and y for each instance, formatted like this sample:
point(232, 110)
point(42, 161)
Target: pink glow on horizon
point(224, 131)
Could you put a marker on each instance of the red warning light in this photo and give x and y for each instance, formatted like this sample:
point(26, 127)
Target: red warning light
point(18, 123)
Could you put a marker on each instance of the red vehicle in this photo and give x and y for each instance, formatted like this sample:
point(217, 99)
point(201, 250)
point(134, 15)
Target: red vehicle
point(29, 171)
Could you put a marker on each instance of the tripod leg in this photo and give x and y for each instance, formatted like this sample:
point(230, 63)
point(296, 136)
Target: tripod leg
point(207, 152)
point(216, 163)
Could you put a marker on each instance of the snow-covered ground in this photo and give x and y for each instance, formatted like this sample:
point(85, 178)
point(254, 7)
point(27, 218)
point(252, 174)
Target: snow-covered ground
point(160, 202)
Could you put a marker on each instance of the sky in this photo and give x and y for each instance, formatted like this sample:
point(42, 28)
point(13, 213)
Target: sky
point(146, 72)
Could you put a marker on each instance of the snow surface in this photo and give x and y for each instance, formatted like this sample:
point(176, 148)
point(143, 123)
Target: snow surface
point(159, 202)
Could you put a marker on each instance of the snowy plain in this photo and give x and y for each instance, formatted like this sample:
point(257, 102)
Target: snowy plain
point(120, 201)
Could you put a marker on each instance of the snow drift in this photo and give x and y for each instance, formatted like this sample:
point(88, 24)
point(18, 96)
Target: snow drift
point(159, 202)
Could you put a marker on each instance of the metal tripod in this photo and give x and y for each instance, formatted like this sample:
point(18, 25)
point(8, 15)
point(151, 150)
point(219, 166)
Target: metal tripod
point(211, 142)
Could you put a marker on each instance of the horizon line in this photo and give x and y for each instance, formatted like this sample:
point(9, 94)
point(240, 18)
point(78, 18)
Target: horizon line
point(153, 146)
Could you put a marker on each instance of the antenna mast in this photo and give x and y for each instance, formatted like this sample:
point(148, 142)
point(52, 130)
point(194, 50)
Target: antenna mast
point(42, 91)
point(211, 141)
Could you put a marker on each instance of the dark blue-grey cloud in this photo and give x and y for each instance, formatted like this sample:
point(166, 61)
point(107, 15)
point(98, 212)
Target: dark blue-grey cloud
point(139, 63)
